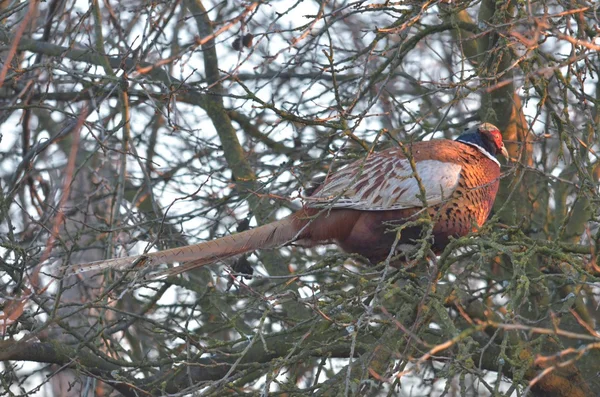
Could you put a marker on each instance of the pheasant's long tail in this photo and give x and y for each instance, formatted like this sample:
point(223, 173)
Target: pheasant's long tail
point(270, 235)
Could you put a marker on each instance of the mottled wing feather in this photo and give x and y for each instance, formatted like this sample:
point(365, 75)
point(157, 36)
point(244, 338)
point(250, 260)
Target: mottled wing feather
point(386, 181)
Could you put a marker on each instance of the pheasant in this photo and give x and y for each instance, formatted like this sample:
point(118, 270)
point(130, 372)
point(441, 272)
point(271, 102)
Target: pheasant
point(359, 206)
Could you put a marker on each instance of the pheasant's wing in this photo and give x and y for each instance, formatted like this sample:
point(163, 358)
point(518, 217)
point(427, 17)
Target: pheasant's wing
point(386, 181)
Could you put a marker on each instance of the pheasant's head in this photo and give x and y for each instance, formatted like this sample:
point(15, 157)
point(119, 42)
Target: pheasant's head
point(487, 136)
point(492, 136)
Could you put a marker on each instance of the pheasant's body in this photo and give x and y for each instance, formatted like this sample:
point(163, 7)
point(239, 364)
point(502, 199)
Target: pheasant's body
point(360, 206)
point(370, 232)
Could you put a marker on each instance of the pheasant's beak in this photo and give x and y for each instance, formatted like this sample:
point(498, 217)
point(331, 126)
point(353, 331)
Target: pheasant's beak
point(504, 153)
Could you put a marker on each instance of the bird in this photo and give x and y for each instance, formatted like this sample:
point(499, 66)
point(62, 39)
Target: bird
point(361, 206)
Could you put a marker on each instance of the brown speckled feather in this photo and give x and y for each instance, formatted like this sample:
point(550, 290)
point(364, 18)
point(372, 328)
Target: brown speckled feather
point(466, 207)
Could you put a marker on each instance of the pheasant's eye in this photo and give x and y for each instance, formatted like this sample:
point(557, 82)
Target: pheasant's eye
point(497, 137)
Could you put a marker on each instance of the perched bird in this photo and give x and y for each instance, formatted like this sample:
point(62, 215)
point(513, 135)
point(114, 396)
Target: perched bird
point(359, 206)
point(245, 41)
